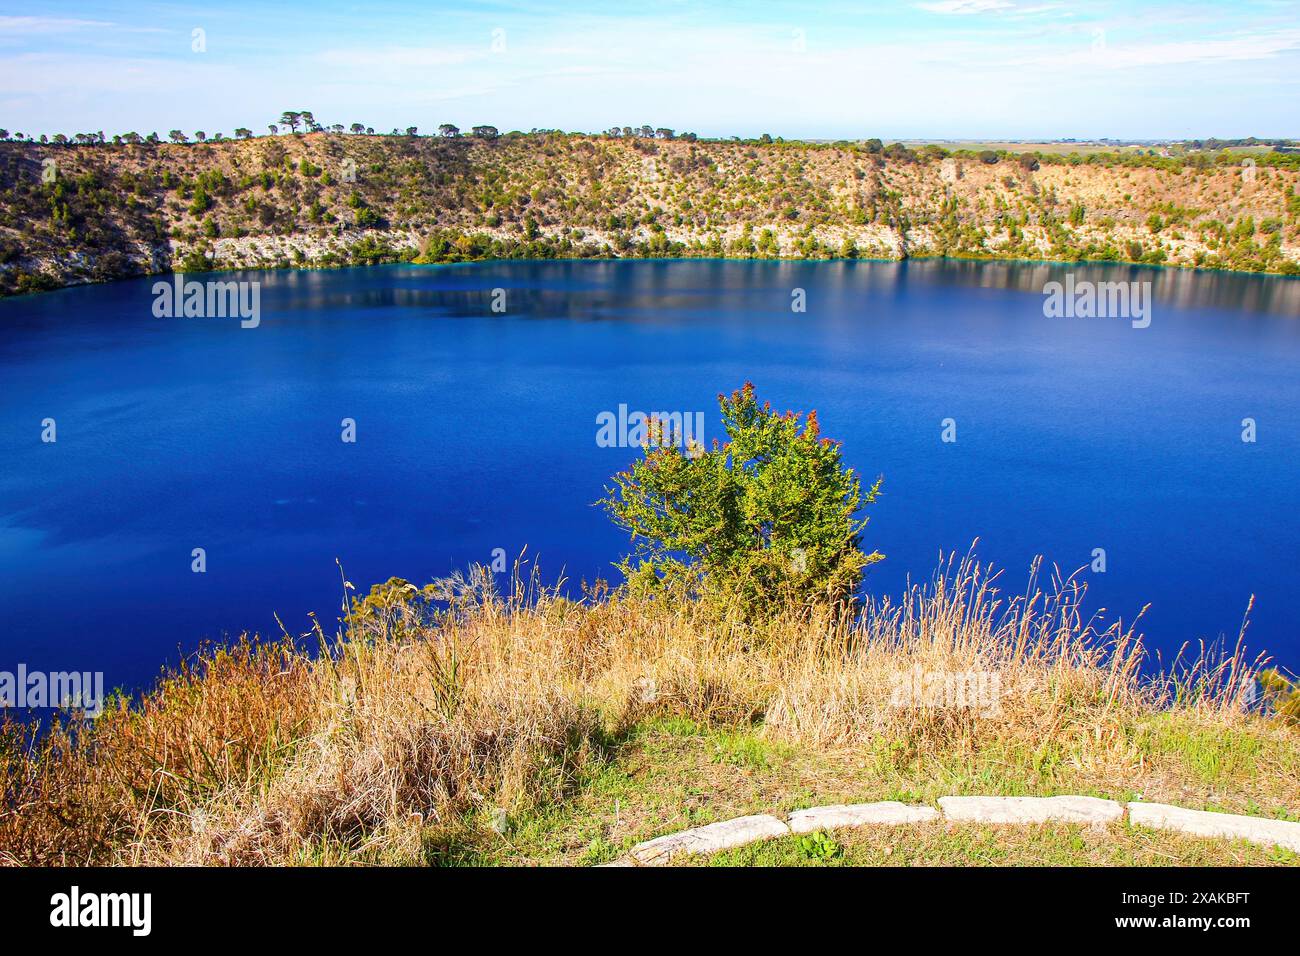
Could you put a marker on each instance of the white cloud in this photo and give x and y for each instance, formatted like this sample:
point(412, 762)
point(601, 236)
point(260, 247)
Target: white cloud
point(965, 7)
point(395, 57)
point(46, 25)
point(1259, 46)
point(1025, 13)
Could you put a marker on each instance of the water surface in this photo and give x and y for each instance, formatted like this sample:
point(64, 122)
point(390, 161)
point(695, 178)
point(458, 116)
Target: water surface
point(476, 431)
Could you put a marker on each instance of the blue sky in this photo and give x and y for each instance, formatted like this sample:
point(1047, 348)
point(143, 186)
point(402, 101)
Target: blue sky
point(929, 68)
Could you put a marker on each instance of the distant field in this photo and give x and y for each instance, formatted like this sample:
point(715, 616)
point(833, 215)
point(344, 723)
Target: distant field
point(1063, 149)
point(1252, 149)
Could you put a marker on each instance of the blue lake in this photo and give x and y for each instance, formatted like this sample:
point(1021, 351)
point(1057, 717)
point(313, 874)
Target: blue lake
point(477, 430)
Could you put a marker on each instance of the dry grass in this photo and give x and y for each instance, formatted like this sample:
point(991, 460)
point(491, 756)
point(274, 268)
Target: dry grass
point(419, 720)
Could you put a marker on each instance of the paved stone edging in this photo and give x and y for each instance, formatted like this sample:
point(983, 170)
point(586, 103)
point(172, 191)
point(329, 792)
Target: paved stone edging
point(1031, 810)
point(859, 815)
point(709, 839)
point(1203, 823)
point(730, 834)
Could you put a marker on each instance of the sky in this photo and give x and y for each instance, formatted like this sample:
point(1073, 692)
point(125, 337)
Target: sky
point(942, 69)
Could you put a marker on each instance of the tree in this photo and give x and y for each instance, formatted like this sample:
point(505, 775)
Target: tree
point(202, 202)
point(486, 132)
point(201, 136)
point(357, 128)
point(412, 130)
point(768, 516)
point(291, 119)
point(243, 133)
point(273, 128)
point(176, 136)
point(4, 134)
point(449, 131)
point(308, 121)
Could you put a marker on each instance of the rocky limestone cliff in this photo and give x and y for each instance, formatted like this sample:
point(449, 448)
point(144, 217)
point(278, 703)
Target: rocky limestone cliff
point(84, 213)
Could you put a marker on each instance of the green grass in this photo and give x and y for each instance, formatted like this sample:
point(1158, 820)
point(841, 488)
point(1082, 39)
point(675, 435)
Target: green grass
point(671, 774)
point(745, 750)
point(1214, 755)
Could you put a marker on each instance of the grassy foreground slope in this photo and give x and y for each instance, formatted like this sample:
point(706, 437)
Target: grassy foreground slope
point(532, 729)
point(78, 213)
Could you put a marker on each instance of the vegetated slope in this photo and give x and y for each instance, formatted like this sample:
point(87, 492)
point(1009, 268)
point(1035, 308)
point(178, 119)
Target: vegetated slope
point(527, 728)
point(78, 213)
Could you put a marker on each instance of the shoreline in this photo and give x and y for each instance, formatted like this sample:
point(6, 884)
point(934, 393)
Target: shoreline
point(981, 260)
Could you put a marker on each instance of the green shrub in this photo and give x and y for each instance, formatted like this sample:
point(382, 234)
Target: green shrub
point(202, 202)
point(767, 517)
point(1282, 695)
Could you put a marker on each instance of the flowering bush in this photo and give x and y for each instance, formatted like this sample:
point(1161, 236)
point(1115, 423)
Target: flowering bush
point(768, 517)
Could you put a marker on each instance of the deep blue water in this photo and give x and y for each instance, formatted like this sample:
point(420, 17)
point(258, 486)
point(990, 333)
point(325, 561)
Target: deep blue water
point(477, 431)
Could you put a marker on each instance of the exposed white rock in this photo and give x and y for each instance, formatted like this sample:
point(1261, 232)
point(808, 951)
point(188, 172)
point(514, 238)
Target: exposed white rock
point(1031, 810)
point(886, 813)
point(1161, 816)
point(709, 839)
point(729, 834)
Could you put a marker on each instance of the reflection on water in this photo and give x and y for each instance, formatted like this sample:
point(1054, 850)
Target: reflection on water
point(1174, 288)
